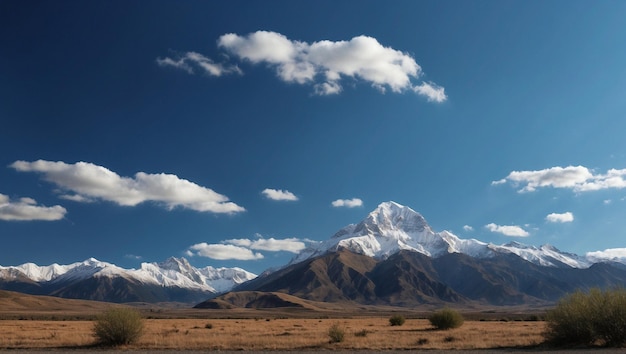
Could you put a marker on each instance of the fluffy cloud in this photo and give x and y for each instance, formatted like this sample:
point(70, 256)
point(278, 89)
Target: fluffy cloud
point(577, 178)
point(88, 181)
point(192, 61)
point(611, 254)
point(468, 228)
point(279, 194)
point(322, 64)
point(348, 203)
point(243, 248)
point(271, 244)
point(564, 217)
point(223, 252)
point(507, 230)
point(26, 209)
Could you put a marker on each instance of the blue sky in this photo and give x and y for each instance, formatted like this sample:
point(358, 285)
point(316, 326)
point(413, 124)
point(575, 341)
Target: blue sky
point(234, 132)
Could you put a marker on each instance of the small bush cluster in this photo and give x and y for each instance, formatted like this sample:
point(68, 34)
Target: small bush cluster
point(396, 320)
point(118, 326)
point(595, 317)
point(446, 319)
point(336, 333)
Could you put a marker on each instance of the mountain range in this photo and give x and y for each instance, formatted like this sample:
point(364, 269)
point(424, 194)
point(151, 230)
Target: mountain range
point(174, 280)
point(392, 257)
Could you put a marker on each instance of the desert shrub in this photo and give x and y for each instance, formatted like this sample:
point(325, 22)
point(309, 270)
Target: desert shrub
point(208, 326)
point(396, 320)
point(588, 318)
point(336, 333)
point(361, 333)
point(118, 326)
point(446, 319)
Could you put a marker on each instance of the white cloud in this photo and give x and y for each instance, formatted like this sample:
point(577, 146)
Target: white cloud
point(271, 244)
point(577, 178)
point(26, 209)
point(611, 254)
point(279, 194)
point(468, 228)
point(326, 62)
point(348, 203)
point(432, 91)
point(192, 61)
point(322, 64)
point(88, 181)
point(507, 230)
point(223, 252)
point(562, 218)
point(243, 248)
point(607, 201)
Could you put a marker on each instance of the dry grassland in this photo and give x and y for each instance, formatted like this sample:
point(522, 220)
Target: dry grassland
point(373, 333)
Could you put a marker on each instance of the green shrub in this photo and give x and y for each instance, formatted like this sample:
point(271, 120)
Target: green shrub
point(118, 326)
point(396, 320)
point(595, 317)
point(336, 333)
point(446, 319)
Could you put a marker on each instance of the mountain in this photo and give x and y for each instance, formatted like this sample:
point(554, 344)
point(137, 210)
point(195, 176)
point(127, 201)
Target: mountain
point(393, 227)
point(174, 280)
point(393, 257)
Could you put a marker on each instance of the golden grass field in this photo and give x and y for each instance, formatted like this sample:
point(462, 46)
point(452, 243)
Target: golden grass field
point(43, 322)
point(372, 333)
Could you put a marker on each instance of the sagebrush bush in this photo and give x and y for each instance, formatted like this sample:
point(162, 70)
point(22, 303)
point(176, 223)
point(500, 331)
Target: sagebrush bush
point(396, 320)
point(446, 319)
point(118, 326)
point(336, 333)
point(595, 317)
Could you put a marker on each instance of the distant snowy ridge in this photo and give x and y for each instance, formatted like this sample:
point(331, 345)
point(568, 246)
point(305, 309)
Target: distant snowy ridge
point(393, 227)
point(174, 272)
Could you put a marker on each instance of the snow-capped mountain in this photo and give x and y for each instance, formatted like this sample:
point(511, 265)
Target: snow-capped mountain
point(175, 274)
point(393, 227)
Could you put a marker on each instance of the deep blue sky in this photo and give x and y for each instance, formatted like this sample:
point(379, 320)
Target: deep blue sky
point(525, 118)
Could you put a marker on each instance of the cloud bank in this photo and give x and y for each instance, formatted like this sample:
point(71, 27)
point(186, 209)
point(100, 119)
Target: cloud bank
point(243, 249)
point(86, 182)
point(26, 209)
point(323, 64)
point(279, 194)
point(507, 230)
point(576, 178)
point(611, 254)
point(561, 218)
point(347, 203)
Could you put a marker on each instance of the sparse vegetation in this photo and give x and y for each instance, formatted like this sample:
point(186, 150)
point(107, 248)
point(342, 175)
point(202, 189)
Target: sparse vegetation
point(446, 319)
point(397, 320)
point(595, 317)
point(336, 333)
point(361, 333)
point(118, 326)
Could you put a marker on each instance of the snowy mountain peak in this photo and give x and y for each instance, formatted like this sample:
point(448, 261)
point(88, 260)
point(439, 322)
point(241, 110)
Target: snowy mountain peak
point(392, 227)
point(392, 216)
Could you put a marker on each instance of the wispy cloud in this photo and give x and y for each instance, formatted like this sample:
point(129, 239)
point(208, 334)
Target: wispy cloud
point(243, 248)
point(279, 194)
point(192, 62)
point(87, 181)
point(561, 218)
point(468, 228)
point(322, 64)
point(507, 230)
point(347, 203)
point(577, 178)
point(26, 209)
